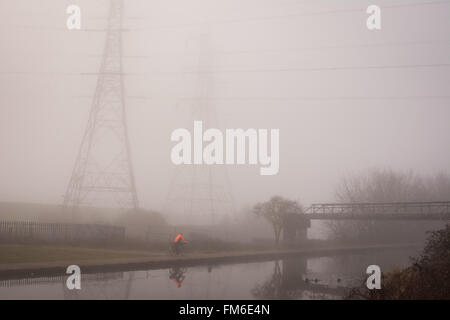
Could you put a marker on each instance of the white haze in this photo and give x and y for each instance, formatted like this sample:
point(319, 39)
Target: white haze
point(332, 122)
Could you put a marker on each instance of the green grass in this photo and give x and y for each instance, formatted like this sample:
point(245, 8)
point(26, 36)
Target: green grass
point(34, 254)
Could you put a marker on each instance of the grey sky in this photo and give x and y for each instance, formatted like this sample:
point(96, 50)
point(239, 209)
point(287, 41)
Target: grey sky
point(300, 66)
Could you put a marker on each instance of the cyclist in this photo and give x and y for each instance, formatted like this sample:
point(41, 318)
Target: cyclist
point(178, 243)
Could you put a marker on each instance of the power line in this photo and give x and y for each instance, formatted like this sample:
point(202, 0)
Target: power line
point(313, 98)
point(292, 15)
point(299, 49)
point(54, 28)
point(305, 69)
point(236, 20)
point(39, 73)
point(261, 70)
point(264, 99)
point(243, 52)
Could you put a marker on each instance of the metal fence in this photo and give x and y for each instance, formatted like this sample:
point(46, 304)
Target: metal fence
point(22, 231)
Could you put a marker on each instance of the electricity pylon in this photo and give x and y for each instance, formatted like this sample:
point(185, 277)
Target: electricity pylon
point(103, 172)
point(200, 194)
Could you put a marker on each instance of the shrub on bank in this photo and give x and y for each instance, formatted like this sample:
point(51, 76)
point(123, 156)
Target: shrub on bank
point(427, 278)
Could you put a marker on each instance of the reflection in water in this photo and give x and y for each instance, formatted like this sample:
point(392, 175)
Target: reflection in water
point(176, 274)
point(298, 278)
point(106, 286)
point(271, 288)
point(290, 281)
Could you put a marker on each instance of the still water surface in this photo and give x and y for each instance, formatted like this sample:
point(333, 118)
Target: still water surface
point(297, 278)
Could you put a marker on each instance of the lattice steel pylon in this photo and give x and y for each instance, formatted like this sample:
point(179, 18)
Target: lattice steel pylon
point(103, 173)
point(201, 194)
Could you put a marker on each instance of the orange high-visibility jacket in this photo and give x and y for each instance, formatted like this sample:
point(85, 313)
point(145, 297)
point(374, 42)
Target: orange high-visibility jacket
point(179, 238)
point(177, 283)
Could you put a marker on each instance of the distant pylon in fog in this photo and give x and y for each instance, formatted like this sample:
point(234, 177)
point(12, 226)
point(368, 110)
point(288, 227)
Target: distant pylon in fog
point(103, 172)
point(200, 194)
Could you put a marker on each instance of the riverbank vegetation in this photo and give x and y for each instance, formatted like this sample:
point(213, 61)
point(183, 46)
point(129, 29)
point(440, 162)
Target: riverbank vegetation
point(428, 277)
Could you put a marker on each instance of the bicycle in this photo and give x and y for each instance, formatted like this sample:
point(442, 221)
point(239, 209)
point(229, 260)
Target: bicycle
point(176, 248)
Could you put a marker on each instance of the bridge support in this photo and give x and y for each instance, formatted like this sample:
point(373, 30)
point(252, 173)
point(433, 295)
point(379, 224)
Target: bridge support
point(295, 229)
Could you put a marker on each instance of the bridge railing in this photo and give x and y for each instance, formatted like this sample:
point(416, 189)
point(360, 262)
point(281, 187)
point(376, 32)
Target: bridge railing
point(392, 210)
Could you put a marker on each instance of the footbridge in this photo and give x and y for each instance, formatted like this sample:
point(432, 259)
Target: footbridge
point(380, 211)
point(297, 224)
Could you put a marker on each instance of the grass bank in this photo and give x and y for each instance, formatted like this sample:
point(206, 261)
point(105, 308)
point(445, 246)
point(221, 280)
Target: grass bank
point(10, 254)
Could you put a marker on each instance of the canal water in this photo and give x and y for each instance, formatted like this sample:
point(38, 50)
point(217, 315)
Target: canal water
point(296, 278)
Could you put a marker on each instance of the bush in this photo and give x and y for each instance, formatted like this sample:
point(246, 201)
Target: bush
point(427, 278)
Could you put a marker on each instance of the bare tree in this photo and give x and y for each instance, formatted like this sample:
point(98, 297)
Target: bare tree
point(275, 211)
point(386, 186)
